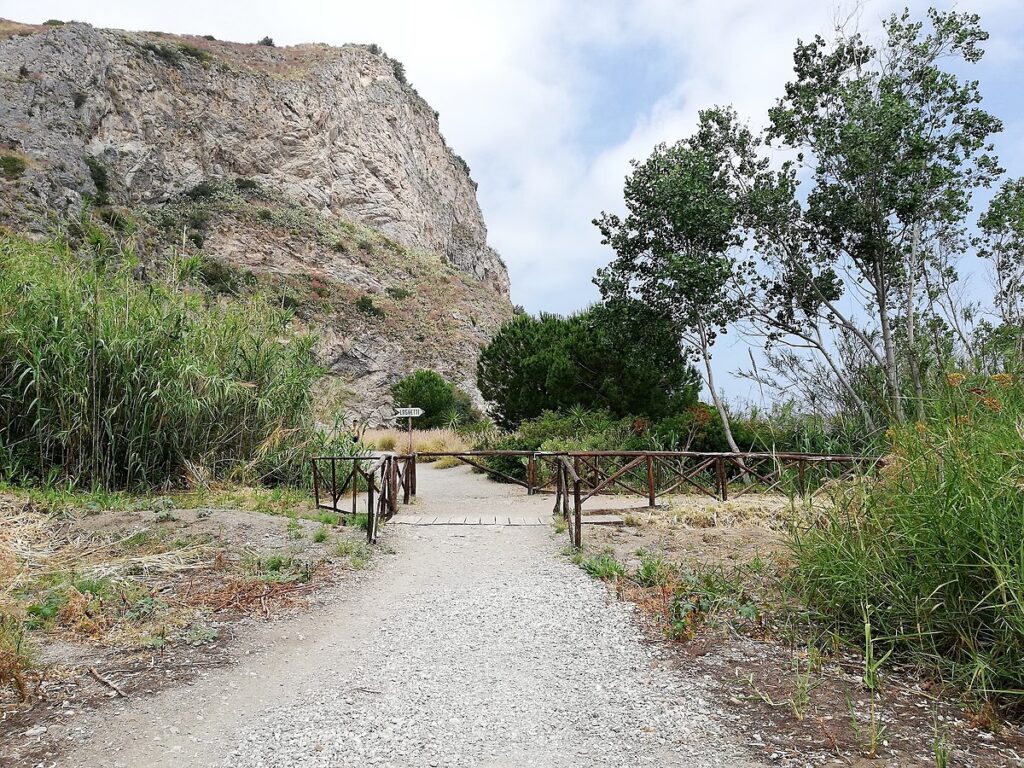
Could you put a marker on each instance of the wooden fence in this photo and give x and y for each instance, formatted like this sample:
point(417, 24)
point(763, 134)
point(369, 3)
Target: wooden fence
point(653, 474)
point(377, 478)
point(575, 477)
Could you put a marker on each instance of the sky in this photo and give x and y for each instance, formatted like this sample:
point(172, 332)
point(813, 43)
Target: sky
point(548, 100)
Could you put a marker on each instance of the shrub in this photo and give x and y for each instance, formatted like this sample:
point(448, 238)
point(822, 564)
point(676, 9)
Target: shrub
point(107, 382)
point(243, 184)
point(365, 305)
point(12, 166)
point(931, 551)
point(267, 41)
point(444, 405)
point(193, 52)
point(399, 69)
point(443, 440)
point(100, 179)
point(397, 293)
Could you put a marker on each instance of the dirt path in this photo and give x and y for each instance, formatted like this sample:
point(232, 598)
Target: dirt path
point(471, 646)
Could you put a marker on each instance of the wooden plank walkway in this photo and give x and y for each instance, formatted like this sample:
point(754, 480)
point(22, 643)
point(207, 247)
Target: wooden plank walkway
point(507, 520)
point(414, 519)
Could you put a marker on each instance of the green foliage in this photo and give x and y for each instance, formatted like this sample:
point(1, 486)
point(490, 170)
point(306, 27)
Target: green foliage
point(397, 293)
point(617, 356)
point(100, 179)
point(934, 546)
point(12, 166)
point(53, 23)
point(654, 571)
point(365, 305)
point(894, 143)
point(604, 567)
point(575, 430)
point(703, 595)
point(444, 405)
point(1002, 227)
point(267, 41)
point(357, 552)
point(399, 69)
point(107, 382)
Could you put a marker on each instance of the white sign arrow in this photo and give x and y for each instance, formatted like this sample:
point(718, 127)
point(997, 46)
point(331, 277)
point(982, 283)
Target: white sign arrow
point(408, 413)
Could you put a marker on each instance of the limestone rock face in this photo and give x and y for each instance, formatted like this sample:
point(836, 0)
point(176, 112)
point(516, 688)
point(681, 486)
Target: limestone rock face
point(139, 120)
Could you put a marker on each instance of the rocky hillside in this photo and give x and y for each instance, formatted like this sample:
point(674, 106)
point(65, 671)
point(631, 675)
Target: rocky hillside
point(317, 171)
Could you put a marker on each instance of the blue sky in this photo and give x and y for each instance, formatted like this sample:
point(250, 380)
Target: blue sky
point(548, 100)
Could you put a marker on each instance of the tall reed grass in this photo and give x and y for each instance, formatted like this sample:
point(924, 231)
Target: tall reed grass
point(109, 381)
point(933, 551)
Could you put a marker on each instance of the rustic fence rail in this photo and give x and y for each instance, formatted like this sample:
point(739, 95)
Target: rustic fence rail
point(661, 473)
point(376, 477)
point(575, 477)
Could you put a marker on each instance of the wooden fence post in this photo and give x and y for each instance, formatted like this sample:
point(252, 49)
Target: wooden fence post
point(356, 471)
point(334, 484)
point(650, 481)
point(723, 490)
point(577, 514)
point(316, 485)
point(407, 480)
point(801, 472)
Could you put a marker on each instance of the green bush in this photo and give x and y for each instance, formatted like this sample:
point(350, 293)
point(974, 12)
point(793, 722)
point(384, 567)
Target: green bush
point(108, 382)
point(100, 179)
point(12, 166)
point(575, 430)
point(932, 551)
point(614, 357)
point(444, 405)
point(365, 305)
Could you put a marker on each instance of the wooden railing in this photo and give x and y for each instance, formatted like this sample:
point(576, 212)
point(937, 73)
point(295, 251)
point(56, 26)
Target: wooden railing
point(377, 477)
point(661, 473)
point(581, 475)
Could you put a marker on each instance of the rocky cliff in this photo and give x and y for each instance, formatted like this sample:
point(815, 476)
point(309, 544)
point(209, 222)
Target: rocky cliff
point(316, 168)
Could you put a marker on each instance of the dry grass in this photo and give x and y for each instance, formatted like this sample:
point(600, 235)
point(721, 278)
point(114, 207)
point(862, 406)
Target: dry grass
point(100, 588)
point(771, 511)
point(422, 440)
point(13, 28)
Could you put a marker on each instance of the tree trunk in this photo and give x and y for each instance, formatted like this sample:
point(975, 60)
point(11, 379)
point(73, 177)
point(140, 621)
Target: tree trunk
point(915, 368)
point(888, 347)
point(709, 379)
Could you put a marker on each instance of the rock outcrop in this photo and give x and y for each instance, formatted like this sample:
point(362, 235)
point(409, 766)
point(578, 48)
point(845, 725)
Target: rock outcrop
point(309, 161)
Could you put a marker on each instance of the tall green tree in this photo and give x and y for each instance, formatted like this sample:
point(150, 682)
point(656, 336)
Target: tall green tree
point(619, 357)
point(894, 144)
point(676, 250)
point(1002, 242)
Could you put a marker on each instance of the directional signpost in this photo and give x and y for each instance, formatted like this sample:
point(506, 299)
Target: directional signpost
point(410, 414)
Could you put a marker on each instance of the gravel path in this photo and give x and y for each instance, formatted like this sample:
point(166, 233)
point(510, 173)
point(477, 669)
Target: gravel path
point(473, 646)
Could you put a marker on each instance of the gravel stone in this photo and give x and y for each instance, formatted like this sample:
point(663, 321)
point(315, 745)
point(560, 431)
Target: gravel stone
point(472, 646)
